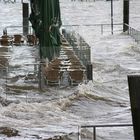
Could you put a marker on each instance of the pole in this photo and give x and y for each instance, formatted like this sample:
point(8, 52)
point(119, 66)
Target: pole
point(125, 15)
point(112, 17)
point(6, 90)
point(25, 8)
point(94, 133)
point(89, 72)
point(134, 92)
point(40, 76)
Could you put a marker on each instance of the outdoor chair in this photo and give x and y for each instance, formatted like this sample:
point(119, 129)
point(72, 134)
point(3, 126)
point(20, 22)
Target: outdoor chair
point(17, 39)
point(4, 49)
point(64, 40)
point(3, 62)
point(4, 36)
point(31, 40)
point(53, 77)
point(77, 67)
point(55, 64)
point(30, 77)
point(65, 44)
point(69, 53)
point(76, 77)
point(4, 42)
point(56, 61)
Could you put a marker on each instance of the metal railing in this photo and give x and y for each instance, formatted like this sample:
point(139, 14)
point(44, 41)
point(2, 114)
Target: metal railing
point(17, 29)
point(80, 47)
point(99, 126)
point(11, 1)
point(102, 27)
point(133, 33)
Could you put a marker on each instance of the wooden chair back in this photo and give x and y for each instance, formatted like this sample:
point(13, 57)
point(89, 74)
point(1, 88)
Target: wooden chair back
point(31, 40)
point(53, 75)
point(76, 75)
point(17, 39)
point(4, 42)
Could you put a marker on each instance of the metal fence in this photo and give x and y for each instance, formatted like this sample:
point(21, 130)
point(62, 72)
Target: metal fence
point(8, 1)
point(94, 127)
point(103, 28)
point(80, 46)
point(12, 1)
point(17, 29)
point(133, 33)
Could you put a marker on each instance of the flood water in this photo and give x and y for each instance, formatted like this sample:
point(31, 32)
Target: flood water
point(59, 111)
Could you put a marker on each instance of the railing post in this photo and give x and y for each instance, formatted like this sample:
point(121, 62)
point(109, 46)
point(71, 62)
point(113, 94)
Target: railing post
point(25, 10)
point(79, 137)
point(112, 17)
point(129, 30)
point(138, 36)
point(40, 76)
point(89, 70)
point(94, 133)
point(134, 92)
point(102, 29)
point(125, 15)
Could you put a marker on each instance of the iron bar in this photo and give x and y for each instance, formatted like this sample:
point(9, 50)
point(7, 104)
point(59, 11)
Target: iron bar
point(102, 28)
point(94, 133)
point(125, 15)
point(103, 126)
point(112, 17)
point(107, 125)
point(133, 33)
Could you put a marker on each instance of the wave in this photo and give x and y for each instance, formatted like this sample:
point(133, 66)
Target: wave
point(107, 68)
point(88, 92)
point(130, 50)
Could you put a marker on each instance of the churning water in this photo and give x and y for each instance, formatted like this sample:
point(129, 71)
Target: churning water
point(59, 111)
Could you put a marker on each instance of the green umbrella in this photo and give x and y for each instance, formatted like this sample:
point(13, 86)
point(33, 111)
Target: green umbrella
point(46, 21)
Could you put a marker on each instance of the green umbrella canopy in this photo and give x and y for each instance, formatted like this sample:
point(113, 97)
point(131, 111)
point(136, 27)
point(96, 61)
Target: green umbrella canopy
point(46, 21)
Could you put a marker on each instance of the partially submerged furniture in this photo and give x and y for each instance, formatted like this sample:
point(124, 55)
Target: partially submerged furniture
point(17, 40)
point(76, 77)
point(31, 40)
point(53, 77)
point(5, 40)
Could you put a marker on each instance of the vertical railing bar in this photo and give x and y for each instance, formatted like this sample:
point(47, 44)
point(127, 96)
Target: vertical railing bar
point(78, 133)
point(102, 29)
point(94, 133)
point(137, 36)
point(130, 31)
